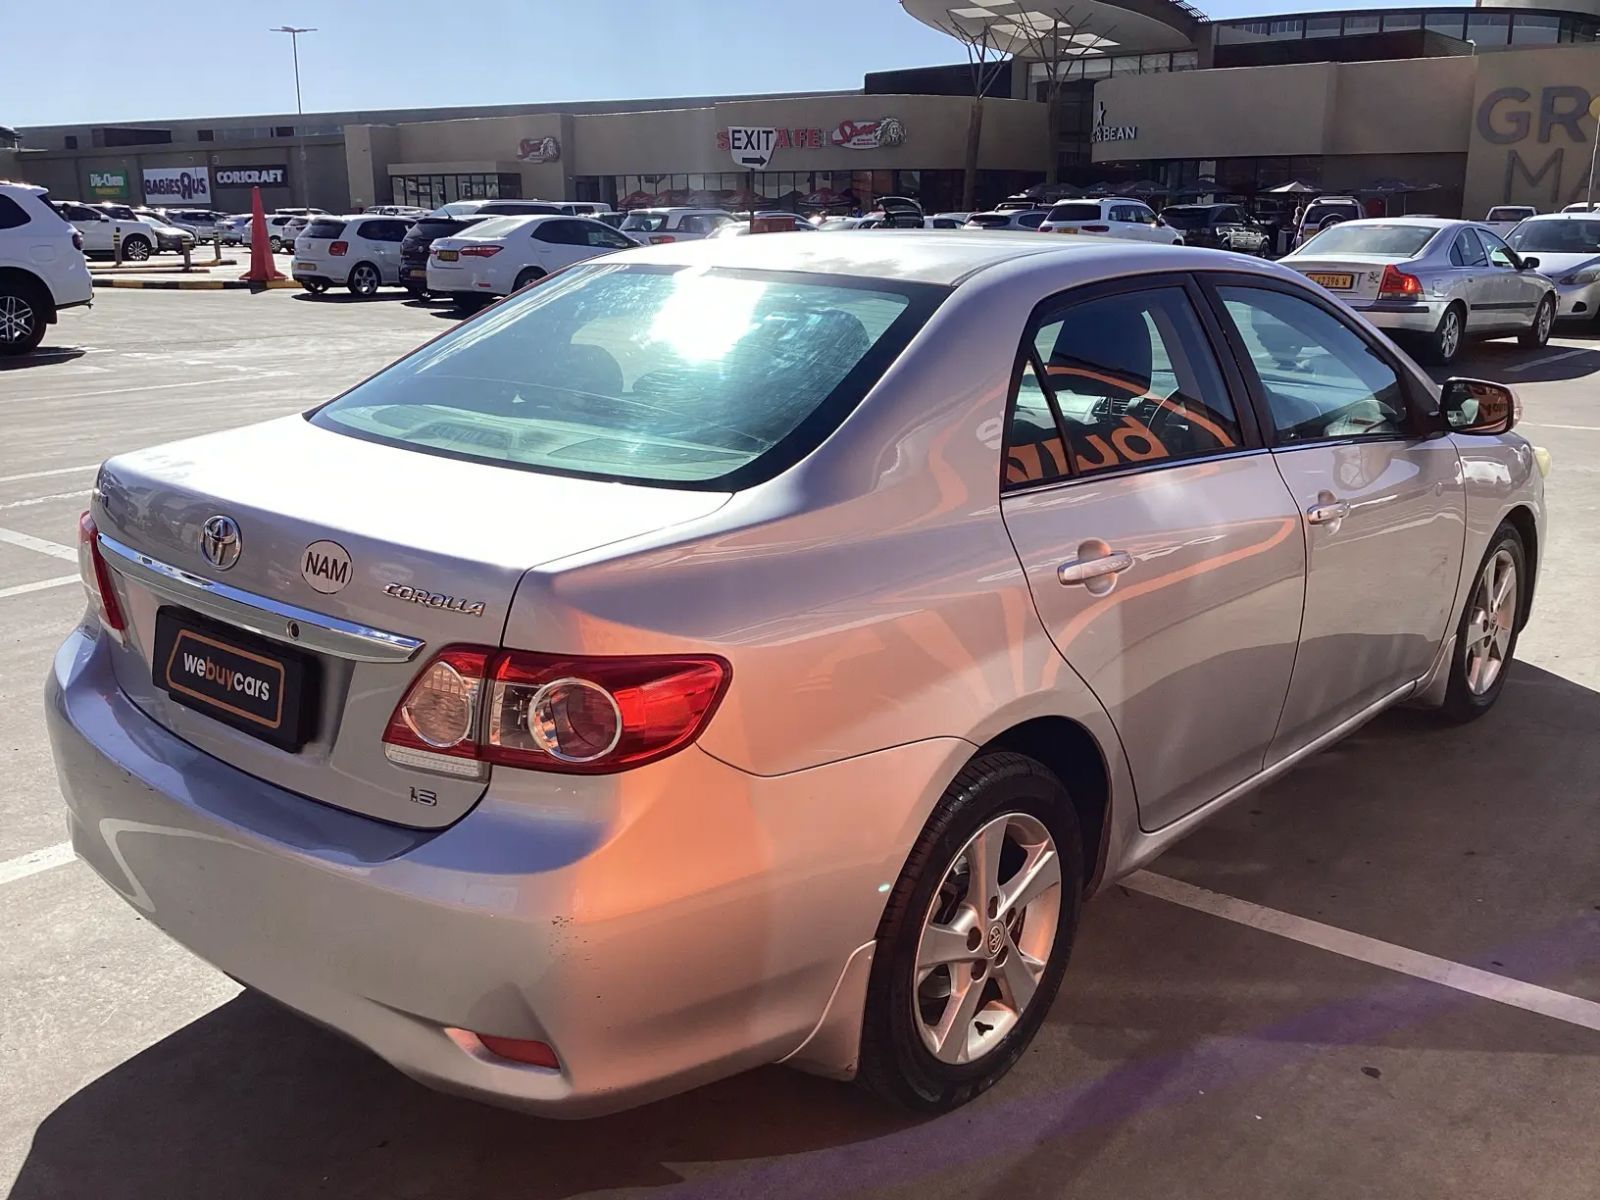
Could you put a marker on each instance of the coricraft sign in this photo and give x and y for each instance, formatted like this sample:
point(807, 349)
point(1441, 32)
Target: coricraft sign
point(108, 185)
point(189, 184)
point(1106, 132)
point(273, 175)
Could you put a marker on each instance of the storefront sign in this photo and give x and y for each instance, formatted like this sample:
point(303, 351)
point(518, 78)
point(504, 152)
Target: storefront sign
point(275, 175)
point(545, 149)
point(108, 185)
point(869, 135)
point(1511, 117)
point(1104, 132)
point(192, 185)
point(750, 147)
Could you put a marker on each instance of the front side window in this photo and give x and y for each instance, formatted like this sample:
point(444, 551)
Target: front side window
point(1321, 381)
point(1132, 381)
point(1499, 253)
point(679, 376)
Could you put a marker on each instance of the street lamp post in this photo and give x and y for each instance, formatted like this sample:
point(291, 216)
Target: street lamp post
point(299, 127)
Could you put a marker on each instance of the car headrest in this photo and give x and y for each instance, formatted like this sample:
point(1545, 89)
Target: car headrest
point(1103, 350)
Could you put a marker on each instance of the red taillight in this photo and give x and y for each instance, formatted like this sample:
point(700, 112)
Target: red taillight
point(97, 579)
point(661, 239)
point(339, 249)
point(480, 251)
point(545, 712)
point(535, 1054)
point(1095, 228)
point(1397, 285)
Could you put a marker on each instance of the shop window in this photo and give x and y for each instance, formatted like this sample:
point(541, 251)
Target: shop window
point(283, 131)
point(1489, 29)
point(1532, 29)
point(1452, 24)
point(1401, 20)
point(1185, 60)
point(71, 141)
point(1151, 63)
point(1096, 68)
point(1356, 23)
point(205, 135)
point(1320, 27)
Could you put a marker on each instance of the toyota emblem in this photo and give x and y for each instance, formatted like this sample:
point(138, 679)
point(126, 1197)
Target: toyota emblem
point(219, 542)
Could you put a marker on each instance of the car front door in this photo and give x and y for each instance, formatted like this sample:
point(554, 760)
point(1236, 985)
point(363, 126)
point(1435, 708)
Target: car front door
point(95, 227)
point(1379, 497)
point(1522, 287)
point(1162, 549)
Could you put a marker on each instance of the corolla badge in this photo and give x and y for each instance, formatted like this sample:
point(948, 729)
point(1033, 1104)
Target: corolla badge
point(404, 591)
point(219, 542)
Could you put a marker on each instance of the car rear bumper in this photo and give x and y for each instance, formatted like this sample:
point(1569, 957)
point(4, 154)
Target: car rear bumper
point(1402, 316)
point(658, 929)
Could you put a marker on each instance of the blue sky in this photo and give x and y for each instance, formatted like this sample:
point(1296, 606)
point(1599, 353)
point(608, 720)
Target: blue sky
point(118, 61)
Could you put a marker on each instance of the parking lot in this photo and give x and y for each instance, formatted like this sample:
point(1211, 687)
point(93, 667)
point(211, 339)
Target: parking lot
point(1376, 977)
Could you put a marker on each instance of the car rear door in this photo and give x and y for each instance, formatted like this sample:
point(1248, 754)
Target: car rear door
point(383, 237)
point(1478, 283)
point(1162, 549)
point(1379, 498)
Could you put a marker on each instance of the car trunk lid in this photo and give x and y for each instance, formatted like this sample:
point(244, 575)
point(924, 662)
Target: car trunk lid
point(356, 561)
point(1348, 276)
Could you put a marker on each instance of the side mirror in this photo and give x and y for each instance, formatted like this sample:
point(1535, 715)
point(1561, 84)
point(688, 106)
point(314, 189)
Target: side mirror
point(1530, 264)
point(1478, 406)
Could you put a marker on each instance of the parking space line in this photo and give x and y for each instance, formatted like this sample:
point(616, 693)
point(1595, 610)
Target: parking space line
point(1574, 1010)
point(47, 474)
point(22, 589)
point(1545, 362)
point(1578, 428)
point(32, 500)
point(14, 869)
point(153, 387)
point(28, 542)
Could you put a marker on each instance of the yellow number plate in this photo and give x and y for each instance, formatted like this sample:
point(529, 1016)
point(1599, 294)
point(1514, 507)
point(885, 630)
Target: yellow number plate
point(448, 256)
point(1334, 283)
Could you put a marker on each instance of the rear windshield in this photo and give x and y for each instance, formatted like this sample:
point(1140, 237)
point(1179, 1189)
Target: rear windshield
point(513, 208)
point(1560, 236)
point(429, 228)
point(325, 229)
point(687, 377)
point(1186, 218)
point(990, 220)
point(644, 222)
point(1074, 212)
point(1406, 240)
point(1509, 214)
point(1320, 212)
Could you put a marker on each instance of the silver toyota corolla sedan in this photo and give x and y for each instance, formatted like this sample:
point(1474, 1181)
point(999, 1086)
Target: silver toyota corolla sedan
point(1435, 281)
point(755, 650)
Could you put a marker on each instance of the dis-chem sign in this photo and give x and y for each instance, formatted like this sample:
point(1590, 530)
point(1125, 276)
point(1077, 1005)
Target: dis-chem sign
point(108, 185)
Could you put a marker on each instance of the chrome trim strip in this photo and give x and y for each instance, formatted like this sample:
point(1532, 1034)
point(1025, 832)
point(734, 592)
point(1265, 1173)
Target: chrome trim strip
point(287, 623)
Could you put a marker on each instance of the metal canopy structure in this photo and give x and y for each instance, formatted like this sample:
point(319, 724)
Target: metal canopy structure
point(1109, 26)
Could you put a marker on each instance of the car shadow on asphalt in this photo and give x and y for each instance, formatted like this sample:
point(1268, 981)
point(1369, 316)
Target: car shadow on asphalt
point(331, 297)
point(45, 356)
point(1410, 819)
point(1504, 361)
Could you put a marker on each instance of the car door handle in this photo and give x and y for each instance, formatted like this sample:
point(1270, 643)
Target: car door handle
point(1094, 565)
point(1327, 512)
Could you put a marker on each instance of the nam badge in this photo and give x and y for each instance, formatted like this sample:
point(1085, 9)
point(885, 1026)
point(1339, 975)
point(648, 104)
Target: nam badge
point(326, 567)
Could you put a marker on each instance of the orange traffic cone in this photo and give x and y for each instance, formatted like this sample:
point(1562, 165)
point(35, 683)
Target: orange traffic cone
point(262, 269)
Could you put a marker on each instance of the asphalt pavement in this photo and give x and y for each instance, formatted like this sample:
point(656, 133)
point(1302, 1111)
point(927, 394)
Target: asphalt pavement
point(1378, 977)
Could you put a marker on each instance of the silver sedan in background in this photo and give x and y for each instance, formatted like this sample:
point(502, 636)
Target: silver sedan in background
point(1432, 281)
point(1567, 245)
point(755, 649)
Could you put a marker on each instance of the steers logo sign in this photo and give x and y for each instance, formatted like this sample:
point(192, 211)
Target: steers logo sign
point(869, 135)
point(544, 149)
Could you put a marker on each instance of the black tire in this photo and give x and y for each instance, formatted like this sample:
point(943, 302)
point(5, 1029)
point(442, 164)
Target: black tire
point(1544, 319)
point(275, 244)
point(1462, 701)
point(1443, 345)
point(136, 248)
point(364, 280)
point(315, 286)
point(895, 1063)
point(525, 277)
point(24, 312)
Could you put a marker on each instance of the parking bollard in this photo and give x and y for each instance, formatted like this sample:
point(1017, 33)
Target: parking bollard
point(186, 264)
point(116, 245)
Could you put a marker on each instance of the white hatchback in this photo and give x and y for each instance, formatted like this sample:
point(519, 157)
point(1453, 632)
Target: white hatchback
point(496, 257)
point(1111, 216)
point(361, 253)
point(659, 226)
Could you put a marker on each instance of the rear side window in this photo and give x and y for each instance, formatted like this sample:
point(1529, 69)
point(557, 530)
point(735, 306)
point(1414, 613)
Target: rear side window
point(1467, 251)
point(1075, 212)
point(1127, 380)
point(325, 229)
point(644, 222)
point(12, 214)
point(1031, 220)
point(687, 377)
point(387, 230)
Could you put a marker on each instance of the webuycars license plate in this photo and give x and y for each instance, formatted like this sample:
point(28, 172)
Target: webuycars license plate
point(1333, 282)
point(241, 680)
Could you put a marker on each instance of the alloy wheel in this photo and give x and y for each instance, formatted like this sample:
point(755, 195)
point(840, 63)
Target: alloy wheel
point(1490, 622)
point(16, 319)
point(1546, 318)
point(986, 939)
point(1450, 335)
point(366, 280)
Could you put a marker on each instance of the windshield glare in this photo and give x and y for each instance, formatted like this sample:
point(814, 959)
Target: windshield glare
point(1560, 236)
point(682, 375)
point(644, 222)
point(1406, 240)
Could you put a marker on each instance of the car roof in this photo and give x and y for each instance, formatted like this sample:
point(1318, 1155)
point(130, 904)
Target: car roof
point(1429, 222)
point(520, 219)
point(926, 255)
point(677, 208)
point(1561, 216)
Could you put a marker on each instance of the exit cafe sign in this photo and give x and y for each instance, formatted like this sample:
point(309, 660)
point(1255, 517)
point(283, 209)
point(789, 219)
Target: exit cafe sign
point(753, 147)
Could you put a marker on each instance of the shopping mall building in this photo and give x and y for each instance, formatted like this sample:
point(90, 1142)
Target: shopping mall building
point(1443, 110)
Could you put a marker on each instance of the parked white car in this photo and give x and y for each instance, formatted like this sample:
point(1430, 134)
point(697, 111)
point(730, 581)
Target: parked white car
point(1110, 216)
point(409, 211)
point(498, 256)
point(1503, 218)
point(1007, 220)
point(100, 229)
point(42, 269)
point(657, 226)
point(359, 252)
